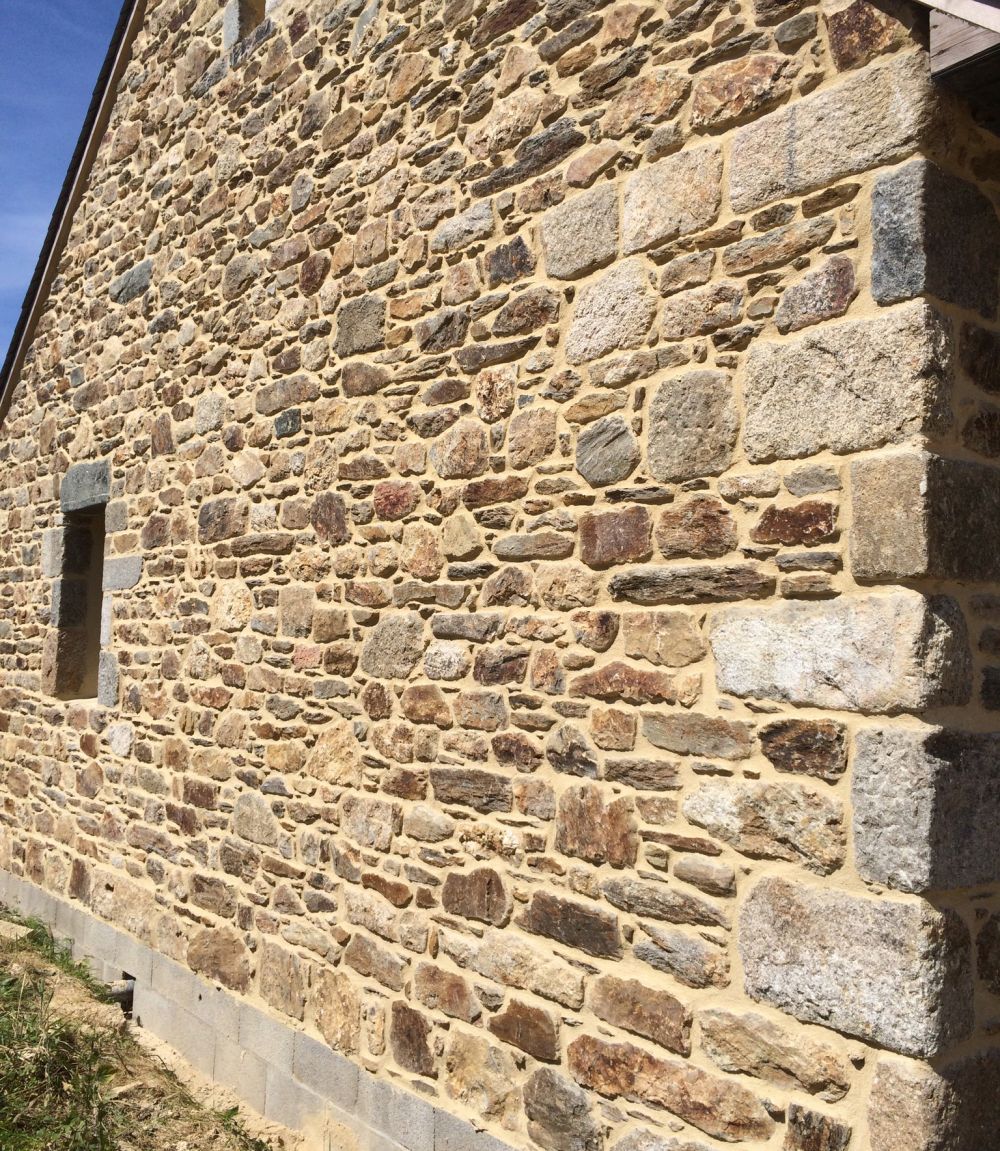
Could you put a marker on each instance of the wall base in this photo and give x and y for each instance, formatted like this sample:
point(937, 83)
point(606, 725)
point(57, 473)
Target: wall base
point(278, 1071)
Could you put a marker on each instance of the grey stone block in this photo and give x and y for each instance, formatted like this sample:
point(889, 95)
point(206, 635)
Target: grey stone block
point(132, 284)
point(886, 654)
point(886, 379)
point(870, 118)
point(107, 679)
point(454, 1134)
point(324, 1071)
point(174, 982)
point(266, 1037)
point(135, 958)
point(894, 974)
point(916, 514)
point(395, 1112)
point(116, 517)
point(85, 486)
point(927, 808)
point(934, 234)
point(52, 553)
point(241, 1071)
point(288, 1102)
point(122, 572)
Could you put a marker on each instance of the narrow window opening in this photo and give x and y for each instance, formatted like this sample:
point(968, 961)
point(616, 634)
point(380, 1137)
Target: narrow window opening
point(77, 600)
point(251, 14)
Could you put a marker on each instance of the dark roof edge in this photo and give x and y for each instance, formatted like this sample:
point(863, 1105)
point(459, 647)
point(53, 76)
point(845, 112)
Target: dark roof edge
point(94, 127)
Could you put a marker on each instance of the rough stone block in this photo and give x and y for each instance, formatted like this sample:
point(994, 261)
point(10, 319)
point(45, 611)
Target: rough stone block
point(581, 234)
point(900, 652)
point(934, 234)
point(85, 486)
point(693, 425)
point(894, 974)
point(452, 1133)
point(926, 807)
point(885, 379)
point(916, 514)
point(913, 1107)
point(403, 1117)
point(122, 573)
point(872, 118)
point(671, 198)
point(241, 1071)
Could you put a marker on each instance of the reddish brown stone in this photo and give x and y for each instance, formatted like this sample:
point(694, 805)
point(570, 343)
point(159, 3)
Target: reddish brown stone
point(612, 729)
point(584, 926)
point(395, 499)
point(445, 991)
point(807, 747)
point(718, 1107)
point(221, 520)
point(615, 537)
point(497, 665)
point(398, 894)
point(363, 379)
point(409, 1032)
point(622, 681)
point(313, 272)
point(529, 1028)
point(811, 1131)
point(471, 787)
point(512, 749)
point(588, 828)
point(807, 523)
point(595, 629)
point(702, 528)
point(860, 33)
point(500, 490)
point(477, 895)
point(377, 699)
point(425, 703)
point(372, 961)
point(739, 90)
point(329, 519)
point(634, 1007)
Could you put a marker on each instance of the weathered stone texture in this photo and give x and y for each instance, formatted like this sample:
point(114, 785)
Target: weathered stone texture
point(885, 379)
point(884, 654)
point(925, 805)
point(839, 960)
point(482, 596)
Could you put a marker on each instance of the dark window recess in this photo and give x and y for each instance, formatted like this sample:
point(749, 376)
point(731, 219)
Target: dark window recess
point(250, 15)
point(76, 606)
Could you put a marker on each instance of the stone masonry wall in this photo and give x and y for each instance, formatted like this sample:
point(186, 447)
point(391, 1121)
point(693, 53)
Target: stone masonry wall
point(549, 646)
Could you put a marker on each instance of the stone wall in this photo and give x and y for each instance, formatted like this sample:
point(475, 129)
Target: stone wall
point(548, 453)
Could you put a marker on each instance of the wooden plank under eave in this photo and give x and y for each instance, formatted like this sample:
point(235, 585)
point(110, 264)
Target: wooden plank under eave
point(966, 59)
point(956, 43)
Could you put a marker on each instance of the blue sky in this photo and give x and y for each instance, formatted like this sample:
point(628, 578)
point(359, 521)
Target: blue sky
point(51, 52)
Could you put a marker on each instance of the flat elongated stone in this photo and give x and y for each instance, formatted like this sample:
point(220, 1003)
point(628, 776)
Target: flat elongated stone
point(772, 821)
point(807, 747)
point(864, 653)
point(714, 1105)
point(926, 805)
point(841, 960)
point(753, 1045)
point(867, 120)
point(885, 378)
point(689, 734)
point(691, 583)
point(654, 1014)
point(581, 925)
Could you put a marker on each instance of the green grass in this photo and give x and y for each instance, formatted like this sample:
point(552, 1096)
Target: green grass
point(54, 1074)
point(57, 1076)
